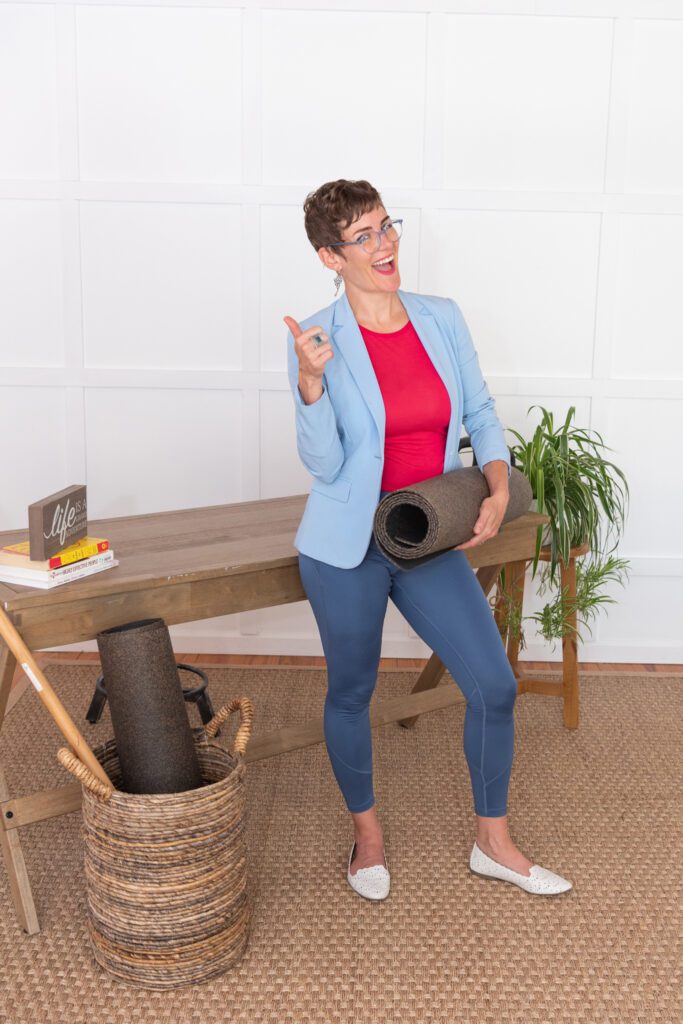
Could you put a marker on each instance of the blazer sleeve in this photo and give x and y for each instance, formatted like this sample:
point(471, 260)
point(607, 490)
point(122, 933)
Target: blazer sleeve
point(317, 437)
point(479, 408)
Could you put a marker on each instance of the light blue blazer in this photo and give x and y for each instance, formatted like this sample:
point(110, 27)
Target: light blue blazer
point(340, 437)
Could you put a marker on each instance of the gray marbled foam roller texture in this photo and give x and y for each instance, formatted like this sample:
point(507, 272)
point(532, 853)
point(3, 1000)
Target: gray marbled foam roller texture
point(154, 738)
point(415, 524)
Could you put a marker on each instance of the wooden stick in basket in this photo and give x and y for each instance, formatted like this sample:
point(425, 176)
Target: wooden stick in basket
point(64, 722)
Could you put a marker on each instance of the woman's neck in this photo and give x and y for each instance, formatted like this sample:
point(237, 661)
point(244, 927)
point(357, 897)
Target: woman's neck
point(382, 313)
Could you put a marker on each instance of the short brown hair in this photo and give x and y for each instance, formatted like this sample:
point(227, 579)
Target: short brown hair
point(333, 206)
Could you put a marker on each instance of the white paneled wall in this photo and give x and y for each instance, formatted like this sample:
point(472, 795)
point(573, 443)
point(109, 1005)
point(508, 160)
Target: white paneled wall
point(154, 160)
point(181, 279)
point(159, 93)
point(530, 281)
point(343, 93)
point(32, 333)
point(527, 101)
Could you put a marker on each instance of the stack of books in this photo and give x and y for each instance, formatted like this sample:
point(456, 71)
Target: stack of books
point(85, 557)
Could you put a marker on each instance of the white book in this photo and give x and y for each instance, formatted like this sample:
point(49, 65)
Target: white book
point(47, 584)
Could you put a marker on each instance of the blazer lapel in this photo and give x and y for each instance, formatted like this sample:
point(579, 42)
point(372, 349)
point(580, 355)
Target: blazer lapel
point(349, 340)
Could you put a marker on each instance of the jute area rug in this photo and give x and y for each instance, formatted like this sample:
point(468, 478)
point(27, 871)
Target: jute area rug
point(600, 805)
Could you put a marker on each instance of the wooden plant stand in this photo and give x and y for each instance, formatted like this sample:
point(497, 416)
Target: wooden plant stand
point(568, 688)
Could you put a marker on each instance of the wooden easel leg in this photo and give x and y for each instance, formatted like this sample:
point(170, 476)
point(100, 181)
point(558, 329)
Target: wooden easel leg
point(12, 853)
point(429, 677)
point(434, 669)
point(570, 670)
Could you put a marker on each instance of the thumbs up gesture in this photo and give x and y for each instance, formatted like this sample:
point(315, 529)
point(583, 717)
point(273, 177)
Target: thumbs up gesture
point(312, 355)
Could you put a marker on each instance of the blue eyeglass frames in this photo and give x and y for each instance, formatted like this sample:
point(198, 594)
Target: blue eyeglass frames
point(392, 230)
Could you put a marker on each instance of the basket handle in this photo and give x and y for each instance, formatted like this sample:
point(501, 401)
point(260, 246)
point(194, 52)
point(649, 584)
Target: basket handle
point(246, 709)
point(73, 764)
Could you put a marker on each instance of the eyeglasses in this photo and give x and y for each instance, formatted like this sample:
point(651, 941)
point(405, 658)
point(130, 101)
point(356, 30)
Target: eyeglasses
point(371, 241)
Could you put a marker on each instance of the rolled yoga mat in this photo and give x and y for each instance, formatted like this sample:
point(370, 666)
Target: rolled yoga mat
point(415, 524)
point(154, 738)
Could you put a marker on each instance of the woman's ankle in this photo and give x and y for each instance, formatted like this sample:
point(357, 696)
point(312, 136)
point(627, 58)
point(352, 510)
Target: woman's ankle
point(370, 840)
point(367, 828)
point(493, 832)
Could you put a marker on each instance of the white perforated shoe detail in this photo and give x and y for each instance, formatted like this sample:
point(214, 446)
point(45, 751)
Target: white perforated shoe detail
point(540, 881)
point(372, 883)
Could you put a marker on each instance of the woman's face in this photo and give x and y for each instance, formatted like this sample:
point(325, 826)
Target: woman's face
point(360, 269)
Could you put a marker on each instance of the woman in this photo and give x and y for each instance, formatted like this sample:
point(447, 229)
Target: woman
point(382, 380)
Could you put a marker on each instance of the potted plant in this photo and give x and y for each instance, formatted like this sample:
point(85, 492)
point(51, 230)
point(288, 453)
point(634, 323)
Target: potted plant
point(581, 492)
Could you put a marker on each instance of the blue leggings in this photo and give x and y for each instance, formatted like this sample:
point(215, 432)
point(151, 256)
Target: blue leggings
point(445, 605)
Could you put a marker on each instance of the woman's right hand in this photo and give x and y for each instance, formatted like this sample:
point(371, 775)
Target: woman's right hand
point(312, 357)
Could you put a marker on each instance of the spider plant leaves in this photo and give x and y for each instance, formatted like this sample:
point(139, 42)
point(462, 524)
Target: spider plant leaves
point(586, 498)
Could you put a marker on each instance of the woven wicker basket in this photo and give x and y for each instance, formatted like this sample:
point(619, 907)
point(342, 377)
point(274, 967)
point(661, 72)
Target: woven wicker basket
point(166, 873)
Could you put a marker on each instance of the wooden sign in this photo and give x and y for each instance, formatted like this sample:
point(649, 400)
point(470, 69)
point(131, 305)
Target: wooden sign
point(57, 521)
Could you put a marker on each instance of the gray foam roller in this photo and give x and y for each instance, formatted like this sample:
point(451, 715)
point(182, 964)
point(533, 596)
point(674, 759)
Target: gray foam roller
point(153, 734)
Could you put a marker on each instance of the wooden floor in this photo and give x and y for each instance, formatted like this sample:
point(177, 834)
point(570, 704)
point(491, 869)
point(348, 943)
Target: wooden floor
point(45, 658)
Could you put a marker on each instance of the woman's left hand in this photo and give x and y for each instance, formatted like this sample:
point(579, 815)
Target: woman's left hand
point(491, 512)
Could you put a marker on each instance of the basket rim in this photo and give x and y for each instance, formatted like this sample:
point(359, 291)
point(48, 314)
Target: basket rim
point(236, 760)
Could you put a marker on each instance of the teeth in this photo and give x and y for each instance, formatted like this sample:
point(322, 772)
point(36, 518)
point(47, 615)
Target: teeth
point(380, 262)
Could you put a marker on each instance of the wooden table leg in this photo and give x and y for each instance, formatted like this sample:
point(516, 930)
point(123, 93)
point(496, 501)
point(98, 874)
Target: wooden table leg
point(500, 611)
point(570, 658)
point(12, 853)
point(515, 574)
point(434, 669)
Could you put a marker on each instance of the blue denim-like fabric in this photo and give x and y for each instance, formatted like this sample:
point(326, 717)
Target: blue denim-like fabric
point(445, 605)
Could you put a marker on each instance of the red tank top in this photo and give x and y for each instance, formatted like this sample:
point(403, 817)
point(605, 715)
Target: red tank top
point(416, 403)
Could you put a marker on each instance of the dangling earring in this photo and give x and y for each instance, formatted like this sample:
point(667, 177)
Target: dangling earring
point(337, 281)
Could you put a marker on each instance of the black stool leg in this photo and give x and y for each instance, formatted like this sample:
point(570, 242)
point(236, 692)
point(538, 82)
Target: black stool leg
point(99, 699)
point(205, 708)
point(195, 695)
point(199, 695)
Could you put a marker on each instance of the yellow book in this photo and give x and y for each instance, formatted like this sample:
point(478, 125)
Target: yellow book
point(18, 554)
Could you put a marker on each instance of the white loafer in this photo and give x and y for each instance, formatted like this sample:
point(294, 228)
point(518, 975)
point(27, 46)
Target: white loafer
point(540, 880)
point(372, 883)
